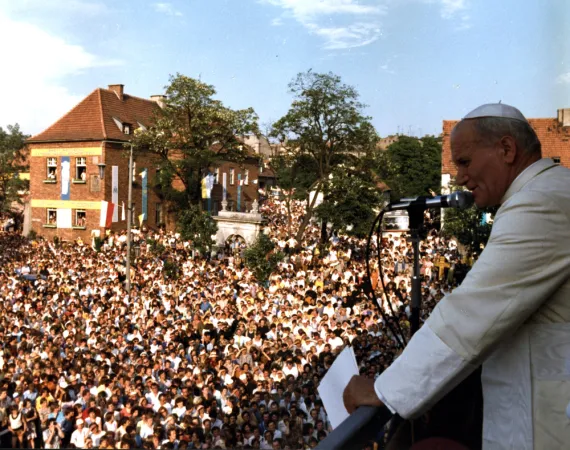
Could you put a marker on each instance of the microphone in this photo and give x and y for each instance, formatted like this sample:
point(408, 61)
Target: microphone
point(457, 199)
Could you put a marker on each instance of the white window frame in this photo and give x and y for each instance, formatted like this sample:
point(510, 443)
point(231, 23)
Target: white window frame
point(80, 163)
point(246, 177)
point(51, 168)
point(48, 212)
point(232, 176)
point(158, 217)
point(77, 213)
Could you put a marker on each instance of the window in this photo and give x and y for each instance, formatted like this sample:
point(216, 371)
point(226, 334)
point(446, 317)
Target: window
point(80, 218)
point(232, 176)
point(51, 217)
point(126, 128)
point(217, 176)
point(51, 168)
point(556, 159)
point(246, 177)
point(81, 168)
point(158, 214)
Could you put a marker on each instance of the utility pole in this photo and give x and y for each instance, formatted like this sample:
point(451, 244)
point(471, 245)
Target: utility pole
point(129, 221)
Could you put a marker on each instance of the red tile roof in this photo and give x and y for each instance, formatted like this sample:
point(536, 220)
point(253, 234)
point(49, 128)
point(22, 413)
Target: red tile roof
point(554, 139)
point(92, 118)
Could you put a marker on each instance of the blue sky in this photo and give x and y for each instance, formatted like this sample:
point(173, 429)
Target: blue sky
point(414, 62)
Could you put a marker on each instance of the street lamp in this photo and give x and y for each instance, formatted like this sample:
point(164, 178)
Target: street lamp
point(101, 170)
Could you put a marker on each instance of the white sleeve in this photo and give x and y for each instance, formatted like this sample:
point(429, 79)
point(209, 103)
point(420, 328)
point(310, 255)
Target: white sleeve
point(526, 260)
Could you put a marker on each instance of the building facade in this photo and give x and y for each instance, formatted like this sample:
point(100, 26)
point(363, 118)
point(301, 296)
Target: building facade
point(81, 161)
point(553, 133)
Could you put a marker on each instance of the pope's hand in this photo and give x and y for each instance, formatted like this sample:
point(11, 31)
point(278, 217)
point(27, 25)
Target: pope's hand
point(360, 392)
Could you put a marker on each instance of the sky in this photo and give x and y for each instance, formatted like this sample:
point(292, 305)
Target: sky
point(415, 63)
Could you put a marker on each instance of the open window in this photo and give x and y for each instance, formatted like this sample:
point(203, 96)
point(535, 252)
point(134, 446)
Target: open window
point(80, 218)
point(51, 169)
point(81, 168)
point(51, 217)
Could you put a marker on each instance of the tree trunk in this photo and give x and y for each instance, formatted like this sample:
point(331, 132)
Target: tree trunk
point(307, 216)
point(323, 231)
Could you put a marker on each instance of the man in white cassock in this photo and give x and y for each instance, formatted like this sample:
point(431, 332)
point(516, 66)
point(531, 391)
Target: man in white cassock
point(512, 311)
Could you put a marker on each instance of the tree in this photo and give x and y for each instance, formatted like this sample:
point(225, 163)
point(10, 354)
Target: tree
point(295, 174)
point(469, 226)
point(351, 201)
point(12, 163)
point(411, 166)
point(198, 227)
point(325, 122)
point(261, 258)
point(191, 134)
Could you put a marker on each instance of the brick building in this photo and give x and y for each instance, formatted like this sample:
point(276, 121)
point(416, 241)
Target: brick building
point(554, 135)
point(66, 190)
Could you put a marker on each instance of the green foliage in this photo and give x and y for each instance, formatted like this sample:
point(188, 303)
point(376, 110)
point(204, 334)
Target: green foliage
point(170, 269)
point(261, 258)
point(12, 163)
point(191, 135)
point(326, 124)
point(468, 225)
point(98, 243)
point(411, 167)
point(350, 200)
point(32, 235)
point(197, 226)
point(155, 247)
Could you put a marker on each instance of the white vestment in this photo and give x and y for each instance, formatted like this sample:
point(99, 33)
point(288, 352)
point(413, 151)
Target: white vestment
point(511, 313)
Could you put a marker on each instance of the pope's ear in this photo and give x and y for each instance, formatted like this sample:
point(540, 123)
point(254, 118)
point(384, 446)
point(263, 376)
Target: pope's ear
point(509, 149)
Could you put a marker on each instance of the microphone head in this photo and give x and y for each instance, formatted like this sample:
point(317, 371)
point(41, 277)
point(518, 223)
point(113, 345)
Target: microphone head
point(460, 199)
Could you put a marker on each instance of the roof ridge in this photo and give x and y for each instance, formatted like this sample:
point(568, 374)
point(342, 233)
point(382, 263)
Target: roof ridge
point(131, 96)
point(101, 113)
point(64, 116)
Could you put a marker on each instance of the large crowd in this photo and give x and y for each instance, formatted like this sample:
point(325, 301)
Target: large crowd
point(199, 357)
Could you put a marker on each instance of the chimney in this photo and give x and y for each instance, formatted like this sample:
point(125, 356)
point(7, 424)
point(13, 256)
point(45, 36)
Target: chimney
point(117, 89)
point(159, 100)
point(564, 117)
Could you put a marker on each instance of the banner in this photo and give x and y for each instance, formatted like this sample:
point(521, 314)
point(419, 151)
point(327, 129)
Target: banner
point(64, 218)
point(123, 215)
point(238, 206)
point(144, 177)
point(65, 177)
point(224, 192)
point(106, 218)
point(141, 218)
point(115, 190)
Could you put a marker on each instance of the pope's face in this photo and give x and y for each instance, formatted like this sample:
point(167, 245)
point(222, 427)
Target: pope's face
point(481, 166)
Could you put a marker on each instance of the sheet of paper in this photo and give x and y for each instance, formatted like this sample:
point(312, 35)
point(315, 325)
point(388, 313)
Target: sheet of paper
point(333, 383)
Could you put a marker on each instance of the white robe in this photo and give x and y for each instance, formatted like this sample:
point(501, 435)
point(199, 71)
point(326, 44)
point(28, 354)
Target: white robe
point(511, 313)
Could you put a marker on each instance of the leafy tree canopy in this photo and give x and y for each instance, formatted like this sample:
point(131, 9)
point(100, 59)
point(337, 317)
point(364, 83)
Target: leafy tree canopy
point(12, 163)
point(197, 226)
point(261, 258)
point(326, 123)
point(411, 167)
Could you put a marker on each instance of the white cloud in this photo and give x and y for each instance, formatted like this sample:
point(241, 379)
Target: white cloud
point(166, 8)
point(277, 22)
point(360, 21)
point(40, 62)
point(456, 10)
point(563, 78)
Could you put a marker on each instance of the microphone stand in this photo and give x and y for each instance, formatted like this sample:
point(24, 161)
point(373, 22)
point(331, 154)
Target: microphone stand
point(416, 217)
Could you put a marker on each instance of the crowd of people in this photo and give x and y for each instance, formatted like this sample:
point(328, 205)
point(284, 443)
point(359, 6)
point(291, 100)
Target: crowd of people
point(201, 357)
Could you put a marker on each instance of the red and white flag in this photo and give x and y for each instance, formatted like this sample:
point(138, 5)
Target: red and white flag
point(107, 209)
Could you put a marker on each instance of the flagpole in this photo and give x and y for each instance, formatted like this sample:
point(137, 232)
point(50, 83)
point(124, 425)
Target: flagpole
point(129, 221)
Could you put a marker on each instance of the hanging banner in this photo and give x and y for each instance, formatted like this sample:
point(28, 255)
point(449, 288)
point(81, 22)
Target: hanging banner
point(224, 192)
point(239, 193)
point(106, 217)
point(144, 176)
point(141, 218)
point(65, 177)
point(123, 215)
point(115, 191)
point(64, 218)
point(205, 190)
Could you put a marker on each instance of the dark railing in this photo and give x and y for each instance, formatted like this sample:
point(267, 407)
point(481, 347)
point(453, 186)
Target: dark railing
point(362, 426)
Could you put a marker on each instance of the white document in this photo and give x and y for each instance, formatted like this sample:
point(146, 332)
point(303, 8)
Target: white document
point(332, 385)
